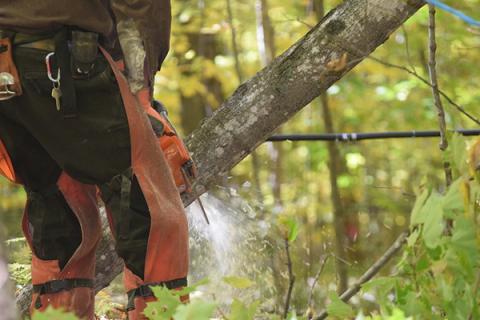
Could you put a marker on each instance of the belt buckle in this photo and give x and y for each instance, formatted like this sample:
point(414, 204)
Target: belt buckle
point(6, 80)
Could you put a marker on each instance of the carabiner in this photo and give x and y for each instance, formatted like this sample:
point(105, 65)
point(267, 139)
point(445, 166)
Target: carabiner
point(49, 69)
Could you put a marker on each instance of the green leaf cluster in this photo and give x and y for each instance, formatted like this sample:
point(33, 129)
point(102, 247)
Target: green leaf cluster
point(439, 275)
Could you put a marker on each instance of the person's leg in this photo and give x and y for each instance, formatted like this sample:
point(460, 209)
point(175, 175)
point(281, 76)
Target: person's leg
point(166, 255)
point(98, 145)
point(51, 227)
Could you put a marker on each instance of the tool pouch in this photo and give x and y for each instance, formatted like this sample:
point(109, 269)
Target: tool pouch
point(84, 51)
point(9, 80)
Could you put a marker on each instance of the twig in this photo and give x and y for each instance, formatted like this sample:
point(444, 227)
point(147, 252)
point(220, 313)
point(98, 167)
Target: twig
point(432, 68)
point(407, 48)
point(296, 19)
point(291, 278)
point(315, 280)
point(425, 81)
point(372, 271)
point(342, 260)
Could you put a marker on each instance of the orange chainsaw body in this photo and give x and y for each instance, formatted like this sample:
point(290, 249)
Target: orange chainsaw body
point(180, 162)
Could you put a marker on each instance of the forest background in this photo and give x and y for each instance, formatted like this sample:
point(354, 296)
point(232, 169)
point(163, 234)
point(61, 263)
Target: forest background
point(339, 206)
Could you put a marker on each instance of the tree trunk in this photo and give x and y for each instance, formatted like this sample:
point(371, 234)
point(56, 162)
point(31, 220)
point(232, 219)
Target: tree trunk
point(338, 209)
point(347, 35)
point(335, 169)
point(196, 107)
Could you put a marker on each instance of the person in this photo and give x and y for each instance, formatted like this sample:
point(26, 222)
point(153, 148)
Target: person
point(77, 122)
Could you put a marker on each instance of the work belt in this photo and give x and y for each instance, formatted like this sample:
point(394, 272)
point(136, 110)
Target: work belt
point(145, 291)
point(70, 48)
point(56, 286)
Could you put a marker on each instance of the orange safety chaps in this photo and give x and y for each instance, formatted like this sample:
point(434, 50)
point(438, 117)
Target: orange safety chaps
point(82, 200)
point(167, 248)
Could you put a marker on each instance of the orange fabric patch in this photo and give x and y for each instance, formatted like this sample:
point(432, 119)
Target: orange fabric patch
point(6, 167)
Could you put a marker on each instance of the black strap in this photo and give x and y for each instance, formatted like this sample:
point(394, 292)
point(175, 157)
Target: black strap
point(145, 290)
point(56, 286)
point(68, 99)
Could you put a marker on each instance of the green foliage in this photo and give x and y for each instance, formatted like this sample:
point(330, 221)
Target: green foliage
point(195, 310)
point(169, 304)
point(54, 314)
point(339, 309)
point(238, 282)
point(166, 305)
point(20, 256)
point(439, 273)
point(396, 314)
point(241, 311)
point(20, 273)
point(290, 228)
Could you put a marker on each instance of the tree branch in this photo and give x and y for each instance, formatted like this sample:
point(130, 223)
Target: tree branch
point(291, 279)
point(432, 68)
point(425, 81)
point(323, 263)
point(372, 271)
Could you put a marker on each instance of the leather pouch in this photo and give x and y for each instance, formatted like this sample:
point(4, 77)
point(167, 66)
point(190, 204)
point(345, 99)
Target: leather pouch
point(10, 85)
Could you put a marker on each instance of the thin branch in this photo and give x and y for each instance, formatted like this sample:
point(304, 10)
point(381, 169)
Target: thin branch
point(407, 48)
point(238, 69)
point(291, 278)
point(323, 263)
point(372, 271)
point(288, 18)
point(432, 68)
point(425, 81)
point(342, 260)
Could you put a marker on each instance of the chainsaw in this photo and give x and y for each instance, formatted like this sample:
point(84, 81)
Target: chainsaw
point(179, 160)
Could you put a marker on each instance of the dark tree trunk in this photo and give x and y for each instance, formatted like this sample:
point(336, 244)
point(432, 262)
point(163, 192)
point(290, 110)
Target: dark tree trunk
point(194, 108)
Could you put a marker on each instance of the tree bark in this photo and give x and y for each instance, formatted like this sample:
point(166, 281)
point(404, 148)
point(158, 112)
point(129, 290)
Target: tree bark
point(266, 48)
point(347, 35)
